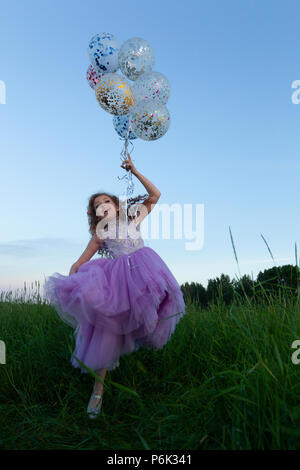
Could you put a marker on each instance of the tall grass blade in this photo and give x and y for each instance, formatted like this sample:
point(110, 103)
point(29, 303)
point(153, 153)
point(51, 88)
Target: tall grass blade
point(233, 246)
point(269, 249)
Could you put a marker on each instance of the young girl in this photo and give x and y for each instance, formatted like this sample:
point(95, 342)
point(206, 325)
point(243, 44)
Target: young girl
point(117, 304)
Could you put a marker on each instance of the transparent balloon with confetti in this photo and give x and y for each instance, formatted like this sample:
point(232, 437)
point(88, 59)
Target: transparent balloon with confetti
point(103, 51)
point(152, 86)
point(93, 76)
point(149, 120)
point(136, 57)
point(114, 94)
point(121, 124)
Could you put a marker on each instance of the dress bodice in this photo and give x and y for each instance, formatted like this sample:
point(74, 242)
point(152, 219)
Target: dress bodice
point(117, 240)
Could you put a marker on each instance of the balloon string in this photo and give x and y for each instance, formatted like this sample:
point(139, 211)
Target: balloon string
point(127, 176)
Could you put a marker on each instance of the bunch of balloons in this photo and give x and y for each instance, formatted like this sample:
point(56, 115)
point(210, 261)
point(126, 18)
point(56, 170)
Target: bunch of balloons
point(138, 98)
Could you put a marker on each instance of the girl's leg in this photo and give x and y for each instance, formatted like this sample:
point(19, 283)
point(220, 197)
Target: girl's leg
point(98, 387)
point(97, 390)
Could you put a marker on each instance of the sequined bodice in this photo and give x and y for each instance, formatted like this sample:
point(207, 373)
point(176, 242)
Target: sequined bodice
point(117, 240)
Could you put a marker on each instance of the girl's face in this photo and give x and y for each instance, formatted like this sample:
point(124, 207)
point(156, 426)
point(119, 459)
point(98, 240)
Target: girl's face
point(104, 205)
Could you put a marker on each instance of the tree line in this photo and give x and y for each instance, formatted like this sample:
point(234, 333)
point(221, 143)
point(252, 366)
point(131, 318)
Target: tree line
point(273, 281)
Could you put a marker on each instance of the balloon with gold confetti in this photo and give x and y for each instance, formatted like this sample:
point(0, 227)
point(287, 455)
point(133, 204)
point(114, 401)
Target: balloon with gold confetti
point(136, 57)
point(149, 120)
point(93, 76)
point(114, 94)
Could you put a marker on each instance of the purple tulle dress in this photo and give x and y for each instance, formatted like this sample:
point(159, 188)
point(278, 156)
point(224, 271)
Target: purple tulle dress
point(117, 304)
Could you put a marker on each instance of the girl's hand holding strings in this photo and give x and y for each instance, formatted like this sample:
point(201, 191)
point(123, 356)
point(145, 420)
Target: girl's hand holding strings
point(128, 165)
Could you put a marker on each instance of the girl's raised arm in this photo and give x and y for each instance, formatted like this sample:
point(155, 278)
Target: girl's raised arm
point(154, 193)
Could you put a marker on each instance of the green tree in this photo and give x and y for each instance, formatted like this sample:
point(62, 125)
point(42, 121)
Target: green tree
point(220, 286)
point(245, 286)
point(195, 293)
point(277, 277)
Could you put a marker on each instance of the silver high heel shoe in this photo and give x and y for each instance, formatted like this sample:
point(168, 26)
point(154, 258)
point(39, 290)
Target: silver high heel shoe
point(94, 411)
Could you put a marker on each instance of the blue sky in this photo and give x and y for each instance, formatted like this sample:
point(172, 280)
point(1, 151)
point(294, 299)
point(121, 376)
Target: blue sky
point(232, 143)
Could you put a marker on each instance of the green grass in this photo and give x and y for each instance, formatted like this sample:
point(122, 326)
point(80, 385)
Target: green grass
point(225, 380)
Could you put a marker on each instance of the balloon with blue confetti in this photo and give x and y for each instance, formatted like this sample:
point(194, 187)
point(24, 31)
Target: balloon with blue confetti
point(103, 52)
point(121, 124)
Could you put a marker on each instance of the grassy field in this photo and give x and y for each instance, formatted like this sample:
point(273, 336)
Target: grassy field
point(225, 380)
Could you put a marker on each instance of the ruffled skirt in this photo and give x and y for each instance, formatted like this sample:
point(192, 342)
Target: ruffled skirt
point(117, 306)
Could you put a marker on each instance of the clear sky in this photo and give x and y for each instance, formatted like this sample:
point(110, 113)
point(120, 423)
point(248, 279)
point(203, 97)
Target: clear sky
point(233, 142)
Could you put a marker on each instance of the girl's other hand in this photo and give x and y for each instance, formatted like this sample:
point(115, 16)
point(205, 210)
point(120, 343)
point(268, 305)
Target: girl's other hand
point(128, 164)
point(74, 269)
